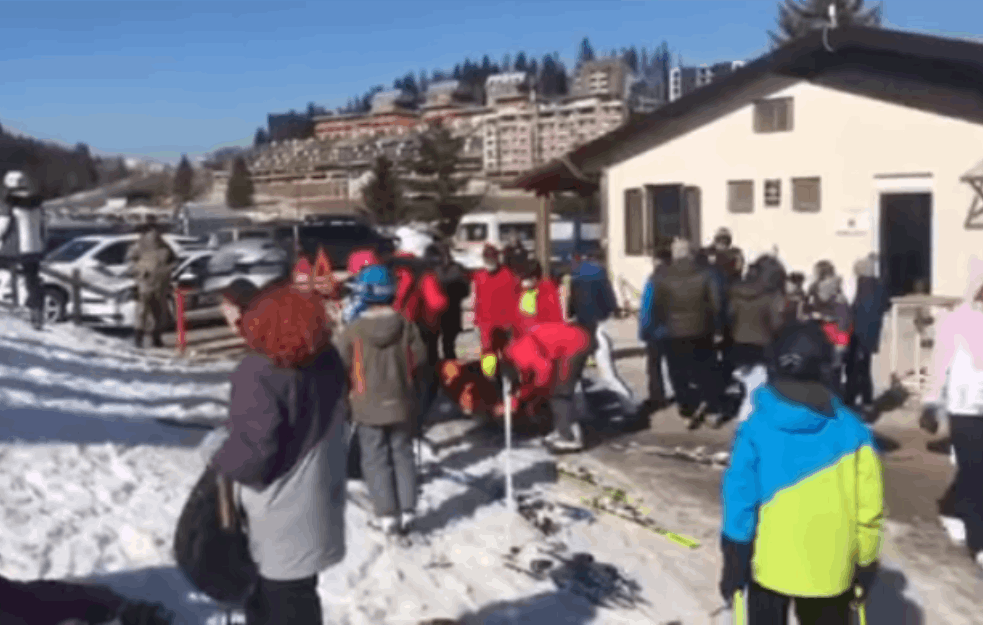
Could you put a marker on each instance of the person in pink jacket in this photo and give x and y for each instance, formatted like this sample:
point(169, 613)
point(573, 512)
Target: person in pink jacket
point(956, 390)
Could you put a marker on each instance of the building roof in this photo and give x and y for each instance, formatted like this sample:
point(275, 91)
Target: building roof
point(510, 78)
point(926, 72)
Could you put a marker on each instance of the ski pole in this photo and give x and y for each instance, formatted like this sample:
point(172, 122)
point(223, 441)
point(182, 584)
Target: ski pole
point(860, 607)
point(507, 393)
point(739, 612)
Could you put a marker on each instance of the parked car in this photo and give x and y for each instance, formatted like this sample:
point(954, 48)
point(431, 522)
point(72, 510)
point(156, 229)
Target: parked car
point(257, 261)
point(189, 275)
point(340, 236)
point(101, 262)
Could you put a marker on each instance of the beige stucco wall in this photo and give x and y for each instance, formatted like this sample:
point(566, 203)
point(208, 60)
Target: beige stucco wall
point(848, 141)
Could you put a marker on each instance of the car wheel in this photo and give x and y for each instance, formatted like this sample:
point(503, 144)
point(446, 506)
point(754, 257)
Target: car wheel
point(54, 305)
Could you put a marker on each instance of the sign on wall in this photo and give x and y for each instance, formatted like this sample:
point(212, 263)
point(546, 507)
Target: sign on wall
point(773, 193)
point(854, 222)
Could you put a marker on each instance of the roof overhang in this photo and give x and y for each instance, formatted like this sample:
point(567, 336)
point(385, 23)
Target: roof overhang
point(558, 175)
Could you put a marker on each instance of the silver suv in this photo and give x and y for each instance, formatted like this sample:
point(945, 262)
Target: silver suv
point(255, 261)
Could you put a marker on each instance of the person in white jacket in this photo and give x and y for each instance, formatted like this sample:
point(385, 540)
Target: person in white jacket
point(24, 225)
point(956, 392)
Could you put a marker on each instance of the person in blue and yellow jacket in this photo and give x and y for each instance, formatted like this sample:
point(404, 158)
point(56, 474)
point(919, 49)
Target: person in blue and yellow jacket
point(803, 498)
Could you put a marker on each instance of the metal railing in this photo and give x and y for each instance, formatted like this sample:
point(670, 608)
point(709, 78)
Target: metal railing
point(935, 304)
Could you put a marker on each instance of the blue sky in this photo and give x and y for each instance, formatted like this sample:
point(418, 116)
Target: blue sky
point(162, 78)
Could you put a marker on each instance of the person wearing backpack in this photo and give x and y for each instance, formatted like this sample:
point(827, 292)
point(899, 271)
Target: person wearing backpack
point(382, 352)
point(286, 448)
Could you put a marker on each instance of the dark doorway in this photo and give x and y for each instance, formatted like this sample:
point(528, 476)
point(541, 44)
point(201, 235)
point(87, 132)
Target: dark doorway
point(906, 241)
point(665, 209)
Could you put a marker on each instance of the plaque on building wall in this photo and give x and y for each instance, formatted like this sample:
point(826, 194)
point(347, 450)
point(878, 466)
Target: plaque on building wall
point(773, 193)
point(854, 222)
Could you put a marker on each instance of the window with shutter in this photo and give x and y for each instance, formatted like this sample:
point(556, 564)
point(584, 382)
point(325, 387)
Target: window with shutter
point(740, 196)
point(774, 115)
point(634, 223)
point(805, 195)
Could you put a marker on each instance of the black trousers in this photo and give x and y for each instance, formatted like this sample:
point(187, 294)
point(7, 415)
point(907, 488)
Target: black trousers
point(691, 371)
point(766, 607)
point(562, 404)
point(654, 353)
point(745, 355)
point(448, 341)
point(30, 269)
point(859, 382)
point(431, 339)
point(275, 602)
point(967, 438)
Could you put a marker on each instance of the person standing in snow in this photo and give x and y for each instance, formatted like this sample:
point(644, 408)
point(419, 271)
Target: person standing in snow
point(956, 391)
point(652, 331)
point(24, 224)
point(592, 303)
point(152, 261)
point(757, 306)
point(870, 304)
point(496, 295)
point(382, 351)
point(827, 304)
point(287, 449)
point(551, 357)
point(803, 497)
point(454, 280)
point(690, 303)
point(539, 301)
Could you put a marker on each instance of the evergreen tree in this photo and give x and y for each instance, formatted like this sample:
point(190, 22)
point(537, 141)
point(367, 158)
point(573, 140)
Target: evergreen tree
point(486, 66)
point(438, 75)
point(424, 82)
point(521, 65)
point(239, 193)
point(260, 138)
point(630, 56)
point(436, 164)
point(586, 52)
point(457, 72)
point(662, 64)
point(183, 179)
point(507, 63)
point(382, 195)
point(533, 68)
point(797, 18)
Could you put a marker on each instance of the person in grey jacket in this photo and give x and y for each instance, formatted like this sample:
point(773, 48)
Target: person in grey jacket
point(24, 236)
point(382, 352)
point(287, 450)
point(688, 302)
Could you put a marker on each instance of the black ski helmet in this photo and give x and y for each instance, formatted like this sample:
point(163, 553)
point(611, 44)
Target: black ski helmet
point(800, 352)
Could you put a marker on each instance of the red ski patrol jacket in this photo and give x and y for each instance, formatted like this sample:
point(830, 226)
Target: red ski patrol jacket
point(544, 353)
point(496, 296)
point(536, 306)
point(420, 300)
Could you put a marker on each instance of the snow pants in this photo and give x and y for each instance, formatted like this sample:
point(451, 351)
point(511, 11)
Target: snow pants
point(389, 467)
point(150, 312)
point(567, 399)
point(691, 372)
point(766, 607)
point(32, 279)
point(274, 602)
point(967, 439)
point(654, 359)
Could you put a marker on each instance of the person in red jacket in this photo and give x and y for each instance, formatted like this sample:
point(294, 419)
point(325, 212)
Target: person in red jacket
point(539, 301)
point(496, 296)
point(421, 299)
point(551, 357)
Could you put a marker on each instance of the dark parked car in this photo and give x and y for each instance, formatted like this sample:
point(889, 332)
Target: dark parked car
point(340, 236)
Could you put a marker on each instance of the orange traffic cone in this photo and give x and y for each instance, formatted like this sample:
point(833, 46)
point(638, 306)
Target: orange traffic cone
point(302, 274)
point(323, 280)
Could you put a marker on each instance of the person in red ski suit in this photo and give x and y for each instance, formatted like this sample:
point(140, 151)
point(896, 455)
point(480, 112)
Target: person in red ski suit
point(539, 301)
point(421, 299)
point(496, 296)
point(550, 357)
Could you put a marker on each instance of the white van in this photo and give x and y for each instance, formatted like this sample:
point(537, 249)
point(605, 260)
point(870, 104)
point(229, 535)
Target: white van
point(476, 230)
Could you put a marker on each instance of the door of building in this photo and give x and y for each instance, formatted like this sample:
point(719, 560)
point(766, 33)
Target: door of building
point(906, 242)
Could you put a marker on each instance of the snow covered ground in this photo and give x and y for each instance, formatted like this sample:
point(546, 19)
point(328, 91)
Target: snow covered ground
point(91, 484)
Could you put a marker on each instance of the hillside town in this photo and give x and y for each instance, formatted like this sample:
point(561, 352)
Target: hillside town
point(640, 342)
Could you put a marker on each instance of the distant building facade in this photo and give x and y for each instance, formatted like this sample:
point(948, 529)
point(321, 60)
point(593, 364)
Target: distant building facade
point(683, 80)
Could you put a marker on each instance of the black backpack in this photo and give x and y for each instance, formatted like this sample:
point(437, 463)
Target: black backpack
point(217, 561)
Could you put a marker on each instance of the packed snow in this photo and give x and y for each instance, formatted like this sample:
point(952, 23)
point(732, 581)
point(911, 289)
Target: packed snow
point(93, 476)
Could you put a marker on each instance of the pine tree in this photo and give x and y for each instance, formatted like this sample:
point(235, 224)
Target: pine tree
point(521, 64)
point(382, 195)
point(507, 63)
point(239, 193)
point(797, 18)
point(436, 164)
point(183, 179)
point(662, 65)
point(586, 52)
point(630, 56)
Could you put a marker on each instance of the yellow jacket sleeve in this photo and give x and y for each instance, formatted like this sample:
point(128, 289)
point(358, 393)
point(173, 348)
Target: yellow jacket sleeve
point(870, 505)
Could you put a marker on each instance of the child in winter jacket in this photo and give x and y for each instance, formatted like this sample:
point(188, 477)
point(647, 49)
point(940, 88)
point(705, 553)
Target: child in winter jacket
point(382, 352)
point(803, 497)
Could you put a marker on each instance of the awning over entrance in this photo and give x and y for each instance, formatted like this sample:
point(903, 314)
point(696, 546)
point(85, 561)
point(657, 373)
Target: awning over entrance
point(974, 177)
point(556, 176)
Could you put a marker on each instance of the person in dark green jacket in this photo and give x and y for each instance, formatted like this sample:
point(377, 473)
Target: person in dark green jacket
point(803, 497)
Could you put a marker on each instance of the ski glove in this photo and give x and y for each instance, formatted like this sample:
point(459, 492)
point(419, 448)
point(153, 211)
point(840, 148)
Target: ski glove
point(929, 420)
point(864, 579)
point(737, 567)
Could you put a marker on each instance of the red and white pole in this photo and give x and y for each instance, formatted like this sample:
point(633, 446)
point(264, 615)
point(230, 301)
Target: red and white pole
point(182, 338)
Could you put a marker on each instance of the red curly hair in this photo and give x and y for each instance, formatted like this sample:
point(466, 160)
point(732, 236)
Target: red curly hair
point(288, 326)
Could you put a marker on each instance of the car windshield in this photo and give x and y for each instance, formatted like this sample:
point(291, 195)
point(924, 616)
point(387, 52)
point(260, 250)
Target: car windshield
point(71, 251)
point(473, 232)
